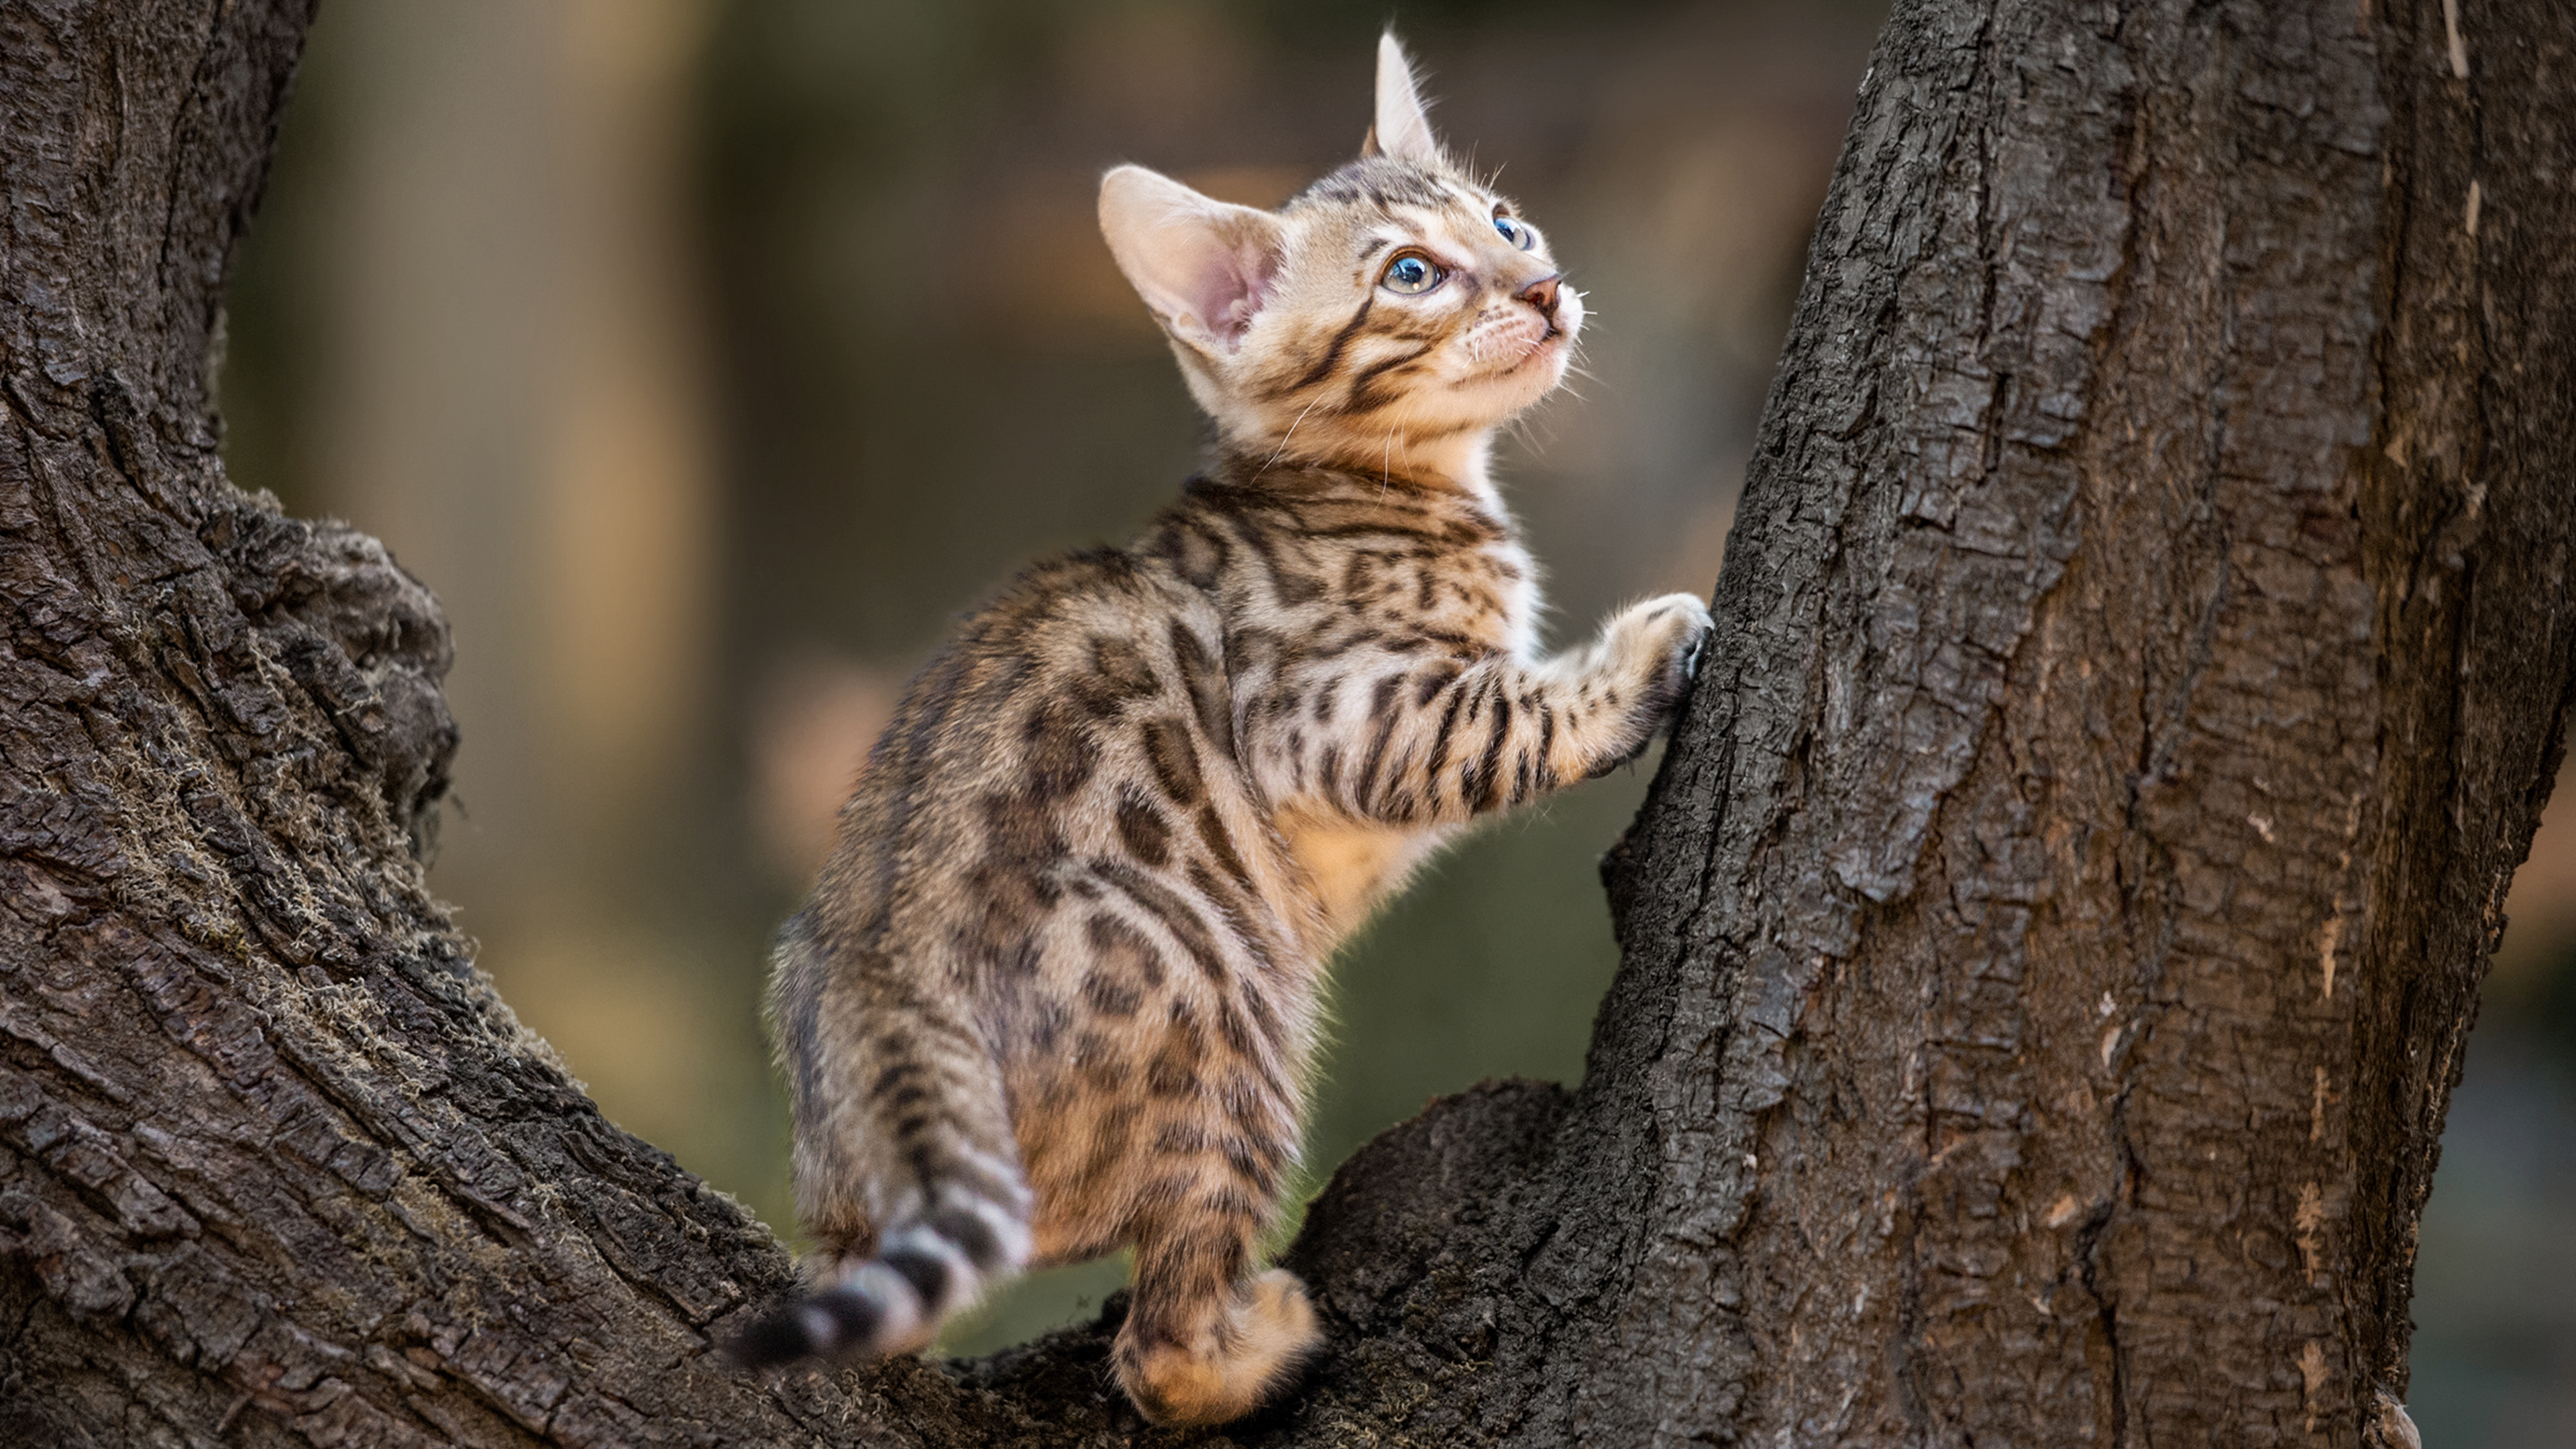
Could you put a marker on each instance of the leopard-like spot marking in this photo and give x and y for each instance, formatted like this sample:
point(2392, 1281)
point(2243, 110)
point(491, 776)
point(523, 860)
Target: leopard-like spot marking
point(1060, 754)
point(1253, 937)
point(1175, 762)
point(1197, 553)
point(1122, 947)
point(1433, 680)
point(1108, 995)
point(1174, 1070)
point(1250, 649)
point(1099, 1061)
point(1220, 843)
point(1142, 829)
point(1206, 686)
point(1177, 916)
point(1290, 586)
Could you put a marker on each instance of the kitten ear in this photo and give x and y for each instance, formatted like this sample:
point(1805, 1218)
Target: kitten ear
point(1402, 129)
point(1204, 266)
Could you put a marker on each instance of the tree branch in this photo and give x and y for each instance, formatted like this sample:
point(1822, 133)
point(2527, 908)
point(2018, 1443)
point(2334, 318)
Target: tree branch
point(2143, 649)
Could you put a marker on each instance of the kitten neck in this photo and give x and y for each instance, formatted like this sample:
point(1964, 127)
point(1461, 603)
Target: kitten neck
point(1460, 461)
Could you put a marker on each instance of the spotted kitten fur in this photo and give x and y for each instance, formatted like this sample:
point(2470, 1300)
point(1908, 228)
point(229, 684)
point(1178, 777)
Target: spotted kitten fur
point(1057, 992)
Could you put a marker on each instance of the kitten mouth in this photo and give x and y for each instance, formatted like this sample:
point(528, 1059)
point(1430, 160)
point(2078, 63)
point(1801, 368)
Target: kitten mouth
point(1538, 348)
point(1507, 361)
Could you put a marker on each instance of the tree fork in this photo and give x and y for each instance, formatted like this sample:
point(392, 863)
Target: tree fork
point(2048, 946)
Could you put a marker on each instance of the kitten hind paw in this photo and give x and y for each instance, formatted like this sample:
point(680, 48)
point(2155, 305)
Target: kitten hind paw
point(1275, 1339)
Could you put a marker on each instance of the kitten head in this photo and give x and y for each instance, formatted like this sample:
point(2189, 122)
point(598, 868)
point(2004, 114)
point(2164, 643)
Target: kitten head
point(1391, 315)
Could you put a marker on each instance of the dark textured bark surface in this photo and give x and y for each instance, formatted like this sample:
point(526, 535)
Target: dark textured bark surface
point(2048, 948)
point(2151, 633)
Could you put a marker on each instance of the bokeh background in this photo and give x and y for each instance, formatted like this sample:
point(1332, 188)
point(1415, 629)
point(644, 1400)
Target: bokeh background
point(708, 356)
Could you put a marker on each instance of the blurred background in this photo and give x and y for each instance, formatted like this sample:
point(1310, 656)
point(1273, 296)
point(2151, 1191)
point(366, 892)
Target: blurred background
point(709, 356)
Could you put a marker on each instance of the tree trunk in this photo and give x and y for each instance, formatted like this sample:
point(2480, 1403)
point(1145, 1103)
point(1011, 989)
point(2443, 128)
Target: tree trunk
point(2142, 656)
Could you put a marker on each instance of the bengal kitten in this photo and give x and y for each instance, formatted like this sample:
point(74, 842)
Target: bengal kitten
point(1057, 991)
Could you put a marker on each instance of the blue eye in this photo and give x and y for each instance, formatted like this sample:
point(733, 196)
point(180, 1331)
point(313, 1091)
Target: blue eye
point(1412, 274)
point(1515, 233)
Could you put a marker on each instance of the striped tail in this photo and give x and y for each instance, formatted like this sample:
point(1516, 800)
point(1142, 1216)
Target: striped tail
point(907, 1171)
point(923, 1273)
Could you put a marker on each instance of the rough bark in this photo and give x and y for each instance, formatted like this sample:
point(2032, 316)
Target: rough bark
point(2048, 947)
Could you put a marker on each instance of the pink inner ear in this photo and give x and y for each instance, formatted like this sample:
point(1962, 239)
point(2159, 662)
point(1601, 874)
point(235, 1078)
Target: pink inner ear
point(1234, 282)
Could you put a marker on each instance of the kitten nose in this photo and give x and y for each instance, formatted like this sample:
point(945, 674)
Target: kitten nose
point(1542, 294)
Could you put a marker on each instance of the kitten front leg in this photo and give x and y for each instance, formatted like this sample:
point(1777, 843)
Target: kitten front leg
point(1437, 742)
point(1651, 648)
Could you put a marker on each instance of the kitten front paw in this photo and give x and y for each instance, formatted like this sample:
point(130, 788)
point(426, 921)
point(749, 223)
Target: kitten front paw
point(1655, 648)
point(1662, 640)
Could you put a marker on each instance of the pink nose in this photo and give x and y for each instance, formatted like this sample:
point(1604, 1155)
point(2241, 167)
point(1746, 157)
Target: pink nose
point(1542, 295)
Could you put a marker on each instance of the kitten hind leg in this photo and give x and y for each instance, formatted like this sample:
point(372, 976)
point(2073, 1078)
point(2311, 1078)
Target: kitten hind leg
point(1206, 1340)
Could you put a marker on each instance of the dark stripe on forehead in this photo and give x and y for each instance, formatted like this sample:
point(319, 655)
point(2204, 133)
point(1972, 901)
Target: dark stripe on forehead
point(1378, 180)
point(1406, 188)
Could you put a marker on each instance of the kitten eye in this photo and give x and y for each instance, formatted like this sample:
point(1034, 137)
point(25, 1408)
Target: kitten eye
point(1515, 233)
point(1412, 274)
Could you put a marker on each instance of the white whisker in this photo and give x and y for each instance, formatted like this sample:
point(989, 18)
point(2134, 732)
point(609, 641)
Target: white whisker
point(1283, 439)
